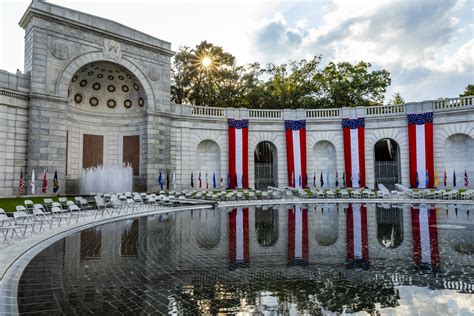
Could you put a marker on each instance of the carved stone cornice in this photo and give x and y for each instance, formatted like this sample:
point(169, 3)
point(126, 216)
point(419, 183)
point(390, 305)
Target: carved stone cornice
point(14, 94)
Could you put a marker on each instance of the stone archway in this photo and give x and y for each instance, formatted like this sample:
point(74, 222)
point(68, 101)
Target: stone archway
point(208, 160)
point(265, 165)
point(387, 164)
point(458, 153)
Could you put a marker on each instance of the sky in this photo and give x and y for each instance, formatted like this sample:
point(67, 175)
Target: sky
point(426, 45)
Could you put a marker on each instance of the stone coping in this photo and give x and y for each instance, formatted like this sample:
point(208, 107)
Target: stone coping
point(16, 256)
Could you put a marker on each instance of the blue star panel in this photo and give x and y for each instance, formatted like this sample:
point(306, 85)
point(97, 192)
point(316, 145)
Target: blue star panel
point(239, 124)
point(420, 119)
point(353, 123)
point(295, 125)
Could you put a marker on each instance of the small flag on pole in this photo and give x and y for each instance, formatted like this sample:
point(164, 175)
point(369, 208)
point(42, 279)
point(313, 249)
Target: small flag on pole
point(445, 178)
point(160, 181)
point(327, 179)
point(337, 179)
point(228, 181)
point(454, 178)
point(174, 180)
point(466, 181)
point(417, 183)
point(222, 182)
point(167, 180)
point(314, 179)
point(200, 180)
point(321, 181)
point(299, 181)
point(214, 184)
point(21, 186)
point(45, 183)
point(436, 181)
point(192, 180)
point(427, 182)
point(306, 178)
point(32, 183)
point(55, 182)
point(292, 180)
point(344, 179)
point(207, 182)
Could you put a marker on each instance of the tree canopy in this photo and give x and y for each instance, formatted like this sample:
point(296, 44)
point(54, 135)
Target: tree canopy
point(207, 75)
point(468, 91)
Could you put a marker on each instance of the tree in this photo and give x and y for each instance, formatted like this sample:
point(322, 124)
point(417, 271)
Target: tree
point(397, 99)
point(468, 91)
point(345, 84)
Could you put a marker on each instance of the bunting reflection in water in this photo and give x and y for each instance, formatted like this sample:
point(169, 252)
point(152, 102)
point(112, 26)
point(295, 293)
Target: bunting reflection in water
point(254, 260)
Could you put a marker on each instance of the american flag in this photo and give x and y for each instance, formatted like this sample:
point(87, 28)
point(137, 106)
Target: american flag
point(21, 187)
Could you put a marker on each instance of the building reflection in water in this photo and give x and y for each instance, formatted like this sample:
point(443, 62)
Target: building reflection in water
point(267, 226)
point(389, 225)
point(200, 261)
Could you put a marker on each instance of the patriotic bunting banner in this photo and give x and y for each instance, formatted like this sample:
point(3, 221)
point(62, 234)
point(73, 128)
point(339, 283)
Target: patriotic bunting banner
point(420, 145)
point(238, 153)
point(298, 236)
point(357, 238)
point(425, 238)
point(354, 151)
point(296, 153)
point(239, 238)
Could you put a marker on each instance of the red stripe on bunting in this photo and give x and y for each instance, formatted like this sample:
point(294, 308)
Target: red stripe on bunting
point(298, 235)
point(347, 156)
point(245, 155)
point(412, 153)
point(303, 156)
point(361, 138)
point(239, 246)
point(232, 172)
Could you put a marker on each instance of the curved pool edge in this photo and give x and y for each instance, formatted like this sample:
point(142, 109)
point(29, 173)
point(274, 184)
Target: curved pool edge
point(13, 269)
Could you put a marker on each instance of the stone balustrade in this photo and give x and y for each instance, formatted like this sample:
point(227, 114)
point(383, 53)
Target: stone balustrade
point(322, 114)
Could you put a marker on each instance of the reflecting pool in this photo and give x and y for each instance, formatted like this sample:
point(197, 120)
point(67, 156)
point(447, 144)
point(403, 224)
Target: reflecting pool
point(305, 259)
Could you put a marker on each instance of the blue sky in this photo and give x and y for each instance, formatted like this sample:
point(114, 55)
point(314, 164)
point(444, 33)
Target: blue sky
point(427, 45)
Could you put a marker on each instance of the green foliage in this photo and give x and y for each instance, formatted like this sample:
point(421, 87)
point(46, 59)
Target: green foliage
point(207, 75)
point(468, 91)
point(397, 99)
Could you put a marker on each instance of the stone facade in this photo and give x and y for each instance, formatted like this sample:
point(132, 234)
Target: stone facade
point(42, 120)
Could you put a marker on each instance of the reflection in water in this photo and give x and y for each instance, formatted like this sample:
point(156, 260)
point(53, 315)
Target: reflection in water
point(155, 265)
point(357, 240)
point(425, 237)
point(239, 253)
point(266, 226)
point(298, 235)
point(389, 226)
point(326, 224)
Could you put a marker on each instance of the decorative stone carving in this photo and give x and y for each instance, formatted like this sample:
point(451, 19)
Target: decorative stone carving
point(112, 50)
point(154, 73)
point(60, 50)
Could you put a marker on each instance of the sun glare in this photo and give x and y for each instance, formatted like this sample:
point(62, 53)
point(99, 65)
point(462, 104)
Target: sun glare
point(206, 61)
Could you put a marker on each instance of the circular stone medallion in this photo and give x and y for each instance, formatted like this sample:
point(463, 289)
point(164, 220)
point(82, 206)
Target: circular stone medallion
point(111, 88)
point(78, 98)
point(96, 86)
point(141, 102)
point(94, 101)
point(83, 83)
point(127, 103)
point(125, 88)
point(111, 103)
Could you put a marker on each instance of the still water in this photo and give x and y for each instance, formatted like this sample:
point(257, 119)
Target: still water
point(306, 259)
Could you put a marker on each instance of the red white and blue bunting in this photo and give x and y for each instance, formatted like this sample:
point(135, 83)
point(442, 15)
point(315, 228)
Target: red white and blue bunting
point(354, 151)
point(238, 153)
point(296, 152)
point(420, 143)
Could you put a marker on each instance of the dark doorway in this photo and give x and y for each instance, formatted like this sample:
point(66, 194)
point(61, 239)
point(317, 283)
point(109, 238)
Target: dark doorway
point(387, 163)
point(265, 159)
point(131, 152)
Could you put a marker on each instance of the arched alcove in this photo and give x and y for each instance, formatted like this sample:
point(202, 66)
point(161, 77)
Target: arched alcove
point(266, 166)
point(458, 156)
point(387, 163)
point(326, 162)
point(208, 160)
